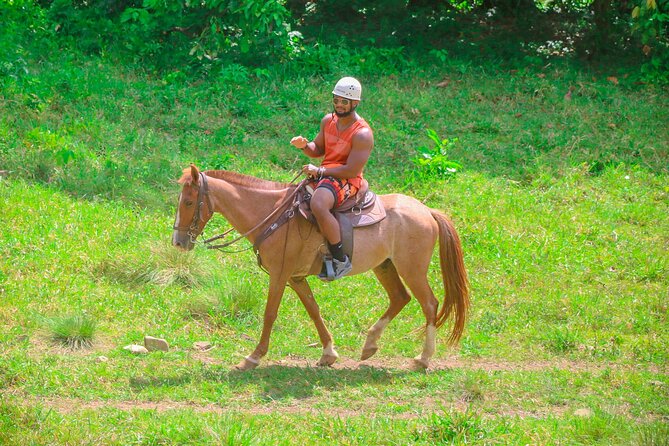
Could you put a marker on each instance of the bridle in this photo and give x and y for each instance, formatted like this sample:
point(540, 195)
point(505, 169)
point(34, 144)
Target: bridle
point(202, 194)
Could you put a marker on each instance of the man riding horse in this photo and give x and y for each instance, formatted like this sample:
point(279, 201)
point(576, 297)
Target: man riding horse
point(397, 248)
point(345, 142)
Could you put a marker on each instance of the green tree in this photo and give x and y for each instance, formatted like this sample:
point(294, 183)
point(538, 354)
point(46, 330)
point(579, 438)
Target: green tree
point(651, 24)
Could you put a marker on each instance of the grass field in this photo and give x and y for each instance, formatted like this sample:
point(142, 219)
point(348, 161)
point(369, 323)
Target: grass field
point(561, 206)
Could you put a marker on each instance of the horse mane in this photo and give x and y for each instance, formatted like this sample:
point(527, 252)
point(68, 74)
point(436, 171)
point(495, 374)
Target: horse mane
point(235, 178)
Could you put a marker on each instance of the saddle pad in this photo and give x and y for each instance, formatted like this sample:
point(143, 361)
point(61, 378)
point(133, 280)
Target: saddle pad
point(369, 216)
point(352, 219)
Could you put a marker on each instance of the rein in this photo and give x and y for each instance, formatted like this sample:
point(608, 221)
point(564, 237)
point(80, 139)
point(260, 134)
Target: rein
point(278, 209)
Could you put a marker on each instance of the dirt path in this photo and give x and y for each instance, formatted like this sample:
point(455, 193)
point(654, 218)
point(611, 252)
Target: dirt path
point(359, 407)
point(455, 363)
point(68, 406)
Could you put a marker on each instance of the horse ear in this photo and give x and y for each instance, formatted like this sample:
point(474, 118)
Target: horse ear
point(195, 174)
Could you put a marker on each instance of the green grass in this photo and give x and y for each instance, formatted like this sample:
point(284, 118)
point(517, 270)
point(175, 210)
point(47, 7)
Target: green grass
point(613, 323)
point(561, 206)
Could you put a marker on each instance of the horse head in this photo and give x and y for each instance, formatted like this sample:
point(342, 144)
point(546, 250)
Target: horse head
point(193, 210)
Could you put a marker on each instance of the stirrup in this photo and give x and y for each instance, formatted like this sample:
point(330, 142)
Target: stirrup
point(334, 269)
point(327, 271)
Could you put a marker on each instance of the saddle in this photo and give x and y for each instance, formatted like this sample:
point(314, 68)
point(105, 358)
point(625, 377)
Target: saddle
point(363, 209)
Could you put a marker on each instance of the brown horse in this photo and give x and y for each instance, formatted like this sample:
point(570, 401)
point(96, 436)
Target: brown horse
point(398, 250)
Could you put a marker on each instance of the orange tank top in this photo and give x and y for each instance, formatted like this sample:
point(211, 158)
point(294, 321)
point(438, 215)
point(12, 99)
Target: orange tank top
point(338, 145)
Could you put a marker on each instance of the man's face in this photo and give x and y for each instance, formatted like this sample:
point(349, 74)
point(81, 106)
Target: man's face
point(342, 106)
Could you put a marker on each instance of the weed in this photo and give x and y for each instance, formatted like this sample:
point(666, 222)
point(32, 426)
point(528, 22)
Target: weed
point(234, 74)
point(491, 322)
point(433, 162)
point(74, 331)
point(471, 389)
point(440, 55)
point(458, 428)
point(595, 428)
point(470, 347)
point(655, 434)
point(202, 307)
point(561, 340)
point(226, 300)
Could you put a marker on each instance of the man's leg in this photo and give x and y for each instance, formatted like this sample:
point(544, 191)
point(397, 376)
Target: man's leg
point(322, 202)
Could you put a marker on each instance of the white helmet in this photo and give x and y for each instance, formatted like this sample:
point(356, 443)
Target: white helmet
point(348, 88)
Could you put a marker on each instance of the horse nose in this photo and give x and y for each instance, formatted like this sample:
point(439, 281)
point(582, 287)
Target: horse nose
point(176, 240)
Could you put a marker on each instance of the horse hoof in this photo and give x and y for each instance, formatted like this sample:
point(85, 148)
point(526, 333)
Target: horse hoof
point(421, 363)
point(326, 360)
point(368, 353)
point(246, 365)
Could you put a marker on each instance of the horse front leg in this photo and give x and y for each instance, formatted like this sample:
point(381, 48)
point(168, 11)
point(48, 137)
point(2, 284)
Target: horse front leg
point(276, 289)
point(303, 291)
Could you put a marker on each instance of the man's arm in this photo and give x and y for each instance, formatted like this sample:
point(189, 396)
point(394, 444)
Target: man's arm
point(316, 148)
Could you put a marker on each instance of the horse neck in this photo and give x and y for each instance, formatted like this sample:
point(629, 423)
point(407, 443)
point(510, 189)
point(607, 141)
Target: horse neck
point(244, 206)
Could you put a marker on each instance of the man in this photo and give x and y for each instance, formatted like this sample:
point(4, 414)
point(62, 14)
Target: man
point(345, 142)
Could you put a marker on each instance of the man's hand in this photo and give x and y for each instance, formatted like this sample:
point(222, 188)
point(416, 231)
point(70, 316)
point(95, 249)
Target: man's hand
point(310, 170)
point(300, 142)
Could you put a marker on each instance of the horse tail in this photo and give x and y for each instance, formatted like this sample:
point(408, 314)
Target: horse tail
point(454, 274)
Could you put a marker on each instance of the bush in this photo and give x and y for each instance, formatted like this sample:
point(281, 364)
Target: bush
point(651, 24)
point(432, 162)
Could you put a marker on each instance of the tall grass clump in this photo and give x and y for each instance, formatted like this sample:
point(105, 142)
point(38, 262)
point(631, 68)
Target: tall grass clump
point(560, 340)
point(164, 266)
point(73, 331)
point(222, 302)
point(173, 267)
point(655, 434)
point(456, 428)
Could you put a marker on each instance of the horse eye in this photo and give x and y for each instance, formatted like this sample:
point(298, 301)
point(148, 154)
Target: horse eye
point(189, 203)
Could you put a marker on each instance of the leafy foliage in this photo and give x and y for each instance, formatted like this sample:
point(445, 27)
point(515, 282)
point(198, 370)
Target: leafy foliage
point(434, 162)
point(371, 37)
point(214, 28)
point(651, 23)
point(22, 22)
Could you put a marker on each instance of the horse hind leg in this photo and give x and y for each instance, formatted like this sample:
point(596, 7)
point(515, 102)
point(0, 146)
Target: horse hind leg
point(416, 279)
point(399, 297)
point(303, 291)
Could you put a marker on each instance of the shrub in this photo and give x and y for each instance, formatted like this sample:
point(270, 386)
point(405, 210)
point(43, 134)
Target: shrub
point(432, 162)
point(651, 24)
